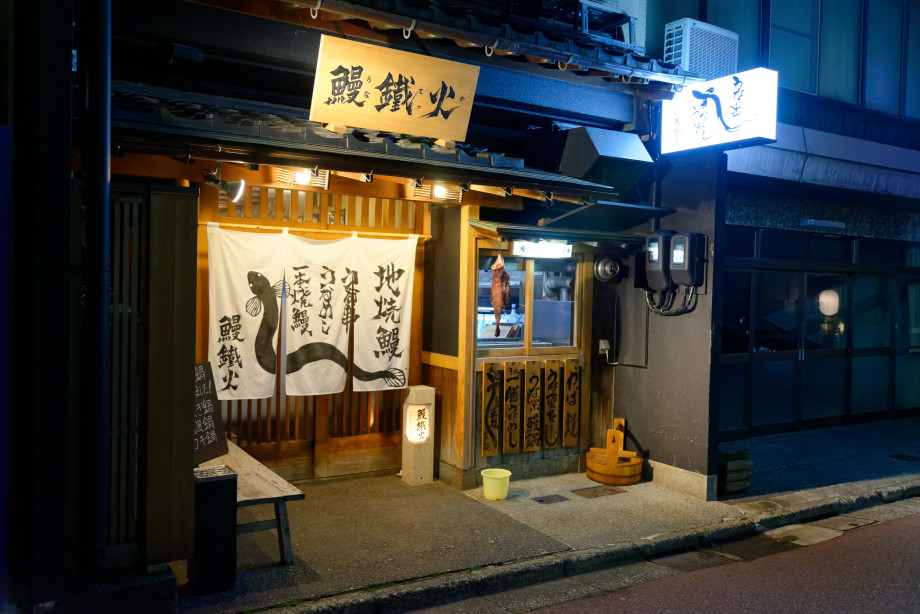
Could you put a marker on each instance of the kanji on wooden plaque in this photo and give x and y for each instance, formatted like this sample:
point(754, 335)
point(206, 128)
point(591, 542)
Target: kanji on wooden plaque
point(533, 404)
point(551, 393)
point(511, 434)
point(491, 399)
point(571, 399)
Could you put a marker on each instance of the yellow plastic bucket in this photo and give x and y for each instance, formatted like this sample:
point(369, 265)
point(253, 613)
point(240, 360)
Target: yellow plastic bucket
point(495, 483)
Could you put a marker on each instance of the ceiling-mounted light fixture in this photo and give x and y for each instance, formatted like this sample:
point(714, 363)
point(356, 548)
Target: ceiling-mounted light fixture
point(315, 177)
point(439, 192)
point(234, 189)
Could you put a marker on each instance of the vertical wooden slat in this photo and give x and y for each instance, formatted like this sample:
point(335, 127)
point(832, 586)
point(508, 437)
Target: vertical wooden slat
point(358, 206)
point(321, 436)
point(270, 406)
point(399, 221)
point(383, 213)
point(239, 422)
point(551, 391)
point(511, 433)
point(248, 421)
point(491, 401)
point(373, 412)
point(123, 409)
point(373, 212)
point(139, 250)
point(116, 238)
point(355, 413)
point(570, 402)
point(287, 416)
point(300, 411)
point(532, 405)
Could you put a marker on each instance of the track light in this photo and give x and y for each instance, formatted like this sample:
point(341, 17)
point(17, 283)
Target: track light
point(234, 189)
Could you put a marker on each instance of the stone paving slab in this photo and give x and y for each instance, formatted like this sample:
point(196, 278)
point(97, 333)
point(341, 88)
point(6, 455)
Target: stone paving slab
point(377, 544)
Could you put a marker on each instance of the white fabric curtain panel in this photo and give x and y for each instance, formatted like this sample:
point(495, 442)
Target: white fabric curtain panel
point(383, 310)
point(327, 286)
point(245, 282)
point(320, 276)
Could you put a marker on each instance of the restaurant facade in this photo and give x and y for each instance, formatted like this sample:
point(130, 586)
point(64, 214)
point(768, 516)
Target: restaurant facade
point(173, 124)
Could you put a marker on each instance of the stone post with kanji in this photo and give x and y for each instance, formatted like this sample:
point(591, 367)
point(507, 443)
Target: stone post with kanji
point(418, 436)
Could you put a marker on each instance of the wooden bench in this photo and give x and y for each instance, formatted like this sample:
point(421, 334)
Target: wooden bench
point(256, 484)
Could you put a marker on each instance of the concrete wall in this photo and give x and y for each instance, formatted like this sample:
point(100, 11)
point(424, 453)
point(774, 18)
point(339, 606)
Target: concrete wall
point(667, 405)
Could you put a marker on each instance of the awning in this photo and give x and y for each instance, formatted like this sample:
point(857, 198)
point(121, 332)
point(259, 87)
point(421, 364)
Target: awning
point(150, 119)
point(603, 220)
point(521, 231)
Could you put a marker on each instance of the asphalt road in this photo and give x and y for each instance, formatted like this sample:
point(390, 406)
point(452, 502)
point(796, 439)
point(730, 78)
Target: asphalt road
point(873, 569)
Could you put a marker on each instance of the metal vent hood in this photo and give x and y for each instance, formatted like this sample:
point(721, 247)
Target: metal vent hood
point(821, 158)
point(617, 159)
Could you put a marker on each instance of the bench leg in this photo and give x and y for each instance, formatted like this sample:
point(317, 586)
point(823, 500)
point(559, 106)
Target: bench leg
point(284, 533)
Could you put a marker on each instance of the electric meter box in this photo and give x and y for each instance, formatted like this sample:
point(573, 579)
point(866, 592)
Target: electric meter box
point(657, 260)
point(686, 258)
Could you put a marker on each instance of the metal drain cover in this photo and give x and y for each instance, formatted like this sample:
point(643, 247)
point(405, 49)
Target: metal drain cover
point(907, 458)
point(550, 499)
point(754, 547)
point(598, 491)
point(691, 561)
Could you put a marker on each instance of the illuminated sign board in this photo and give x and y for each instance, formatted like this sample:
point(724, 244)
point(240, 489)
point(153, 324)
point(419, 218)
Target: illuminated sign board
point(543, 249)
point(368, 86)
point(726, 111)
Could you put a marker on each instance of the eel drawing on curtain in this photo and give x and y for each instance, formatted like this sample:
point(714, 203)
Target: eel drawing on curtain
point(264, 295)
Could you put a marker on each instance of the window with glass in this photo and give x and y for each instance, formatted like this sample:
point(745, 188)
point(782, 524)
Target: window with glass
point(541, 310)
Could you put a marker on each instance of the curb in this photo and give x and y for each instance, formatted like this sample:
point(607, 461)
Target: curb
point(456, 586)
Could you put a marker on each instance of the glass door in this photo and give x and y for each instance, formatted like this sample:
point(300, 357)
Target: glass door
point(823, 351)
point(777, 325)
point(907, 355)
point(870, 371)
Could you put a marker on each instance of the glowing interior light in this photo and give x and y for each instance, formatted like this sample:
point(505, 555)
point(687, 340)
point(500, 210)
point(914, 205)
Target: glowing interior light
point(439, 191)
point(302, 177)
point(829, 302)
point(417, 428)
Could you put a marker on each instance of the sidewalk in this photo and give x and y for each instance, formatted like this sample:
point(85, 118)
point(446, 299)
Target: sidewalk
point(375, 544)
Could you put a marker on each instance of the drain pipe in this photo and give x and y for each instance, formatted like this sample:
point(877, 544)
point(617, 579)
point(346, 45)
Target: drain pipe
point(97, 371)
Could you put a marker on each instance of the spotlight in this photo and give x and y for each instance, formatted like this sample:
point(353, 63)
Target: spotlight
point(234, 189)
point(316, 177)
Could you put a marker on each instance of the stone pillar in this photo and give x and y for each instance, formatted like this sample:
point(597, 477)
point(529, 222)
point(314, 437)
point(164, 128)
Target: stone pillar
point(418, 439)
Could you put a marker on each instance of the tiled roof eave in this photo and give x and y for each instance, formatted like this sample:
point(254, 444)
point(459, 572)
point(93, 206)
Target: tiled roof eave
point(626, 65)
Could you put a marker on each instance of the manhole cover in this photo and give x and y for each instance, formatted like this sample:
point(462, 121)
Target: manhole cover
point(907, 458)
point(691, 561)
point(598, 491)
point(550, 499)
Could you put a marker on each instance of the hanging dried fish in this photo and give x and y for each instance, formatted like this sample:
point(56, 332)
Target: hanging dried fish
point(501, 290)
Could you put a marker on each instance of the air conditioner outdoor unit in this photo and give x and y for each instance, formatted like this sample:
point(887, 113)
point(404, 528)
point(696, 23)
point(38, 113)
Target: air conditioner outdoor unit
point(701, 48)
